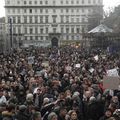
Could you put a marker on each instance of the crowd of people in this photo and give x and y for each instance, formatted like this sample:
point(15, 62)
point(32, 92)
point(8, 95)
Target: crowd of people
point(57, 84)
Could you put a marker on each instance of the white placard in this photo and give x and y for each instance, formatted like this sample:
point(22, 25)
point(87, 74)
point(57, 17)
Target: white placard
point(96, 58)
point(77, 65)
point(91, 70)
point(112, 73)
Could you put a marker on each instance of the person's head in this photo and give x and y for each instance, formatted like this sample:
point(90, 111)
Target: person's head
point(108, 113)
point(52, 116)
point(11, 107)
point(62, 111)
point(115, 99)
point(73, 115)
point(37, 116)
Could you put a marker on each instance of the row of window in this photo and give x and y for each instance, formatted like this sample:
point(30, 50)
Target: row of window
point(67, 37)
point(54, 2)
point(35, 30)
point(47, 11)
point(46, 19)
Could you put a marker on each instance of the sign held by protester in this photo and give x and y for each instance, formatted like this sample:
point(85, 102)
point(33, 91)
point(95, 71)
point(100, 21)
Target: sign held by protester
point(31, 60)
point(77, 65)
point(96, 58)
point(112, 73)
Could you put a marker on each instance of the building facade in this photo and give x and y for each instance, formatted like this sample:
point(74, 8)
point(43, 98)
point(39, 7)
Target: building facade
point(2, 35)
point(37, 22)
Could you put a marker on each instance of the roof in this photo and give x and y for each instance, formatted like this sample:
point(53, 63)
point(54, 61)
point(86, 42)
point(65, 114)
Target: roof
point(101, 29)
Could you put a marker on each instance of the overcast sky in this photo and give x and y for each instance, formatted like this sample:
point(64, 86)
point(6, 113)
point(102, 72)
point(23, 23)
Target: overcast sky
point(107, 4)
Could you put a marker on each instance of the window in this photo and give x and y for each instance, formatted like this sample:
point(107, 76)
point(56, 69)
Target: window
point(19, 30)
point(46, 2)
point(54, 30)
point(61, 2)
point(67, 19)
point(77, 1)
point(30, 10)
point(72, 37)
point(14, 20)
point(41, 2)
point(31, 30)
point(62, 30)
point(25, 37)
point(19, 21)
point(46, 37)
point(14, 30)
point(25, 10)
point(36, 19)
point(67, 30)
point(72, 10)
point(30, 2)
point(61, 10)
point(72, 30)
point(31, 38)
point(46, 10)
point(67, 37)
point(25, 19)
point(78, 30)
point(18, 2)
point(54, 19)
point(41, 30)
point(36, 37)
point(54, 2)
point(8, 10)
point(83, 19)
point(41, 10)
point(54, 11)
point(77, 19)
point(41, 37)
point(46, 19)
point(72, 19)
point(13, 10)
point(83, 10)
point(30, 19)
point(35, 10)
point(77, 10)
point(89, 1)
point(41, 19)
point(82, 1)
point(67, 10)
point(99, 1)
point(8, 1)
point(18, 10)
point(46, 29)
point(35, 2)
point(94, 1)
point(72, 2)
point(67, 2)
point(25, 29)
point(62, 18)
point(36, 30)
point(25, 2)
